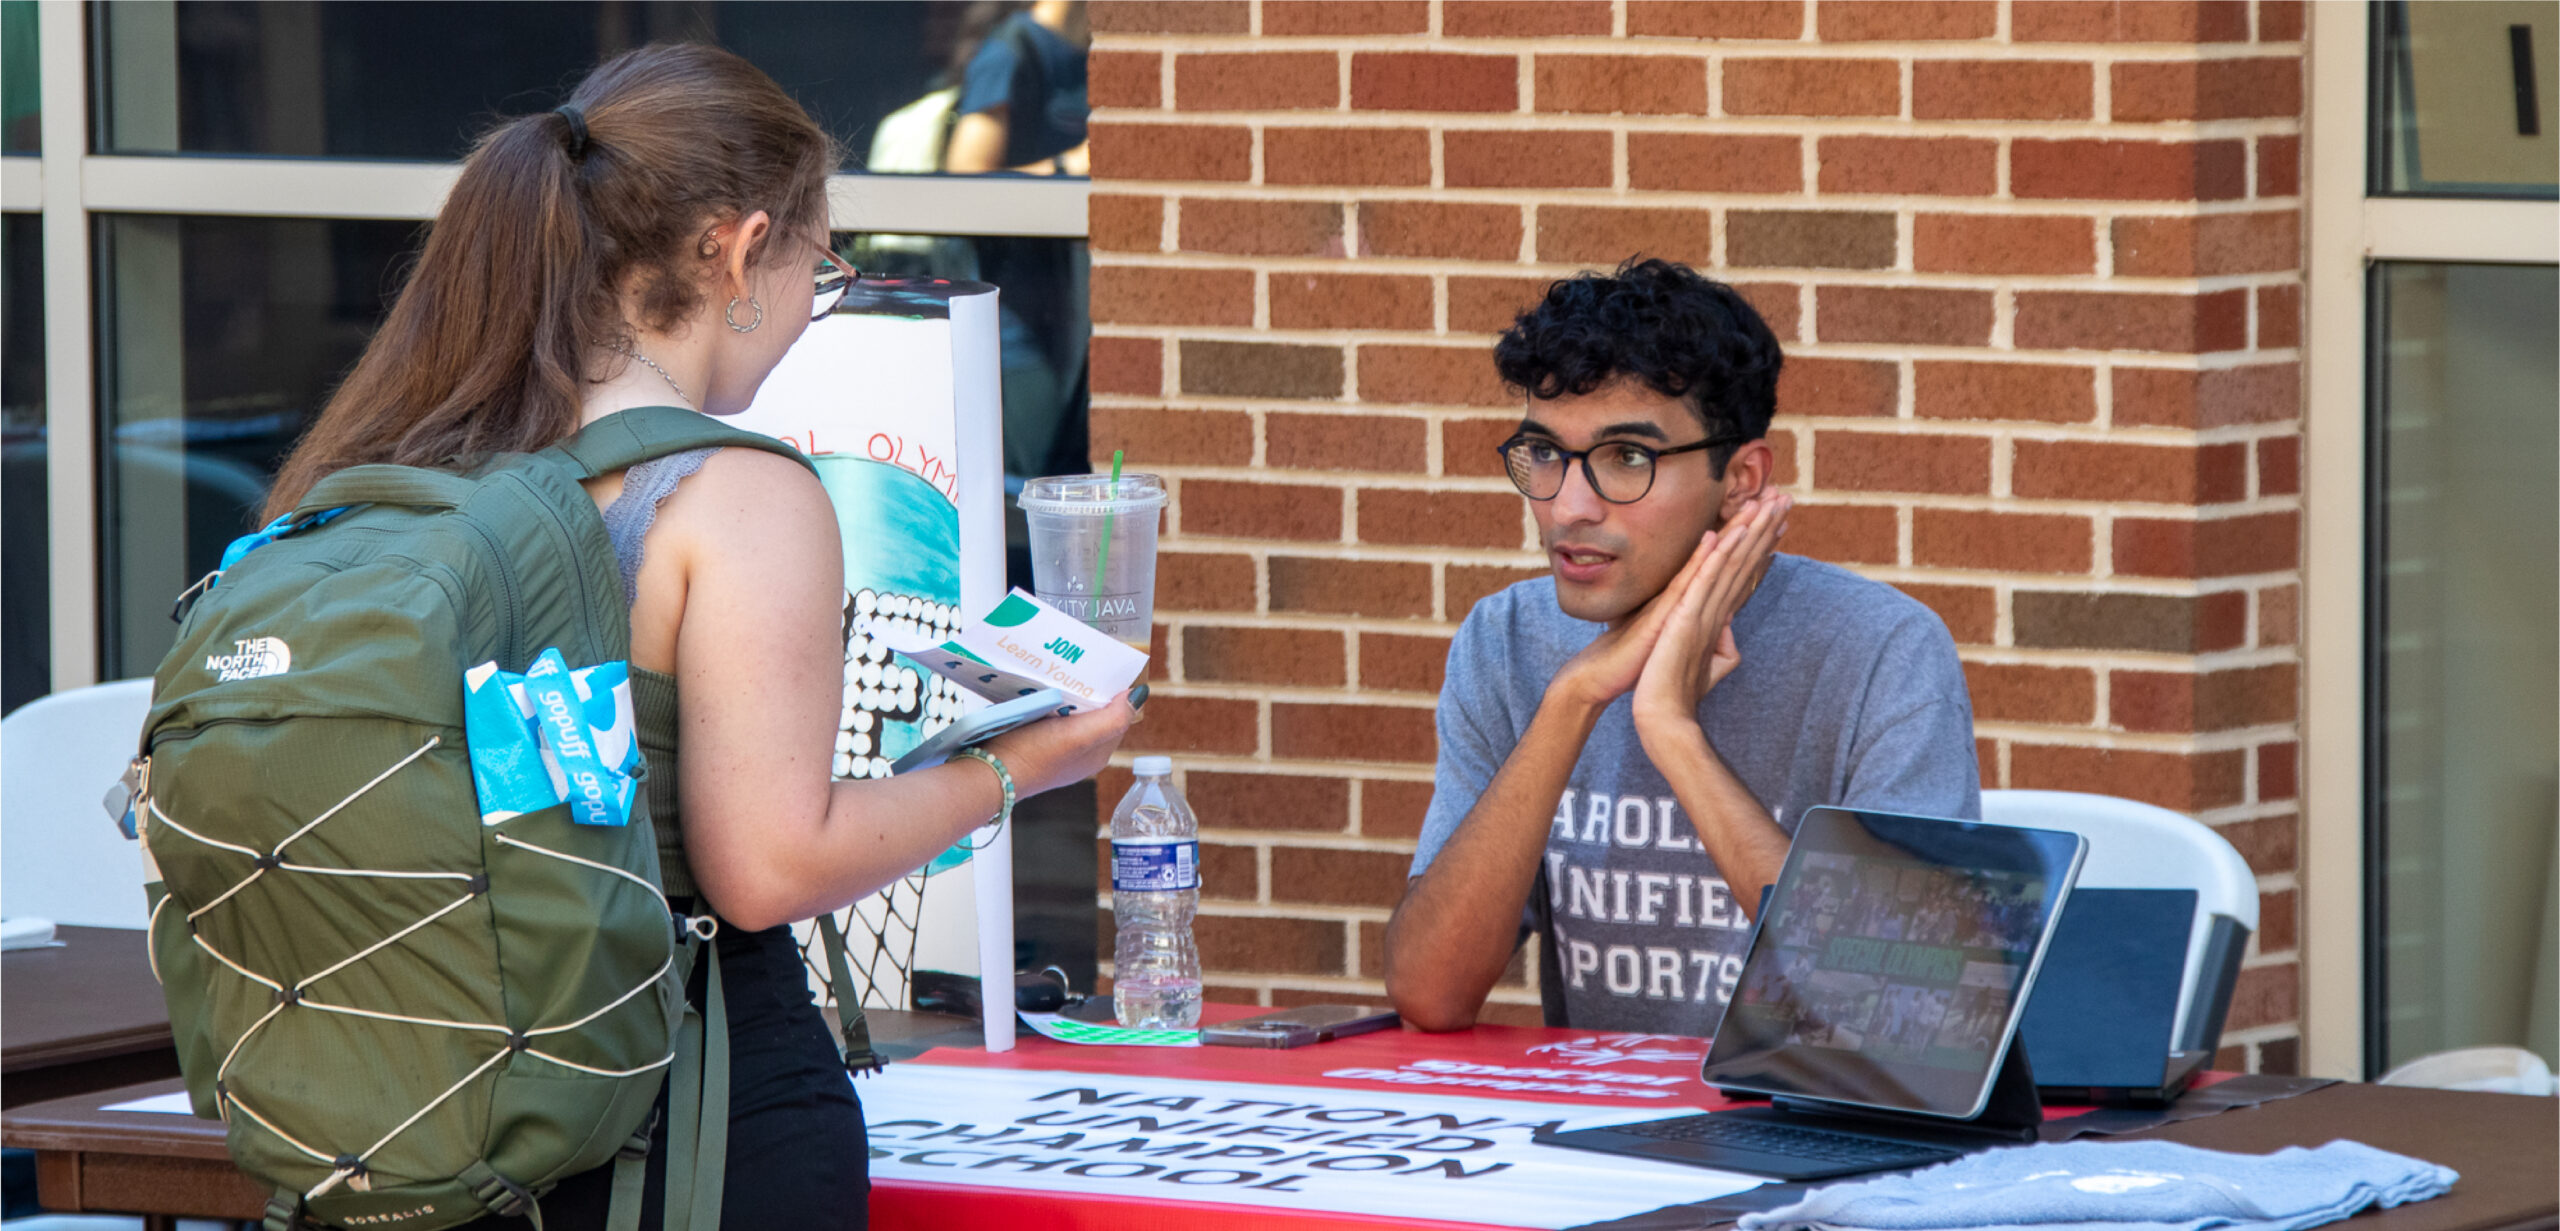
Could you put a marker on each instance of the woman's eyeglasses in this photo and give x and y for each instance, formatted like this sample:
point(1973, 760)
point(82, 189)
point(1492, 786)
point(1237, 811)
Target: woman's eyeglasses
point(835, 278)
point(1621, 471)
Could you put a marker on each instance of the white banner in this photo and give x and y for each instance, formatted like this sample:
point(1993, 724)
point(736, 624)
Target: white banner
point(1391, 1154)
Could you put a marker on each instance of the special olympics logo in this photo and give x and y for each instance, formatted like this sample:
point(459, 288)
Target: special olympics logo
point(1599, 1049)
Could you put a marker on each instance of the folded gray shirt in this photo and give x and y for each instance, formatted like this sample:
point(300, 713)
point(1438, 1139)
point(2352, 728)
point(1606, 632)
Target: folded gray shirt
point(1849, 693)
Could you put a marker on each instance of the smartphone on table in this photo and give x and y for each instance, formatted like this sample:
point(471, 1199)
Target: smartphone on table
point(1314, 1023)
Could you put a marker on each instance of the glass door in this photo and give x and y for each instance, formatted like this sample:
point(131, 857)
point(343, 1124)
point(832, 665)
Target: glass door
point(2462, 532)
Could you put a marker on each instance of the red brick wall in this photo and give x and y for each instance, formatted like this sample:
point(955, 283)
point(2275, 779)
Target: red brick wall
point(2037, 268)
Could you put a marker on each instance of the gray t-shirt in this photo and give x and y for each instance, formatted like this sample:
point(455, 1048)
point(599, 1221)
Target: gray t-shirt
point(1848, 693)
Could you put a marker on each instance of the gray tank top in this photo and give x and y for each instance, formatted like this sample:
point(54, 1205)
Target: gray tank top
point(628, 518)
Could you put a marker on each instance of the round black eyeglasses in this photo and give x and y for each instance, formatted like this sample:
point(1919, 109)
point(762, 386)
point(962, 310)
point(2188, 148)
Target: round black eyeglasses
point(834, 277)
point(1621, 471)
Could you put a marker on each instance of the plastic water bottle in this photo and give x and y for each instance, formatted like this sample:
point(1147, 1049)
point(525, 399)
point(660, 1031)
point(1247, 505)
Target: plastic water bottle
point(1155, 887)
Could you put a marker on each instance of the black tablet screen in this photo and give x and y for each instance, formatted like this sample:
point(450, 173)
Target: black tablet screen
point(1890, 965)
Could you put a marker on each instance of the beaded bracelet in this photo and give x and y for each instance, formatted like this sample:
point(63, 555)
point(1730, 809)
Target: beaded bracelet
point(1004, 777)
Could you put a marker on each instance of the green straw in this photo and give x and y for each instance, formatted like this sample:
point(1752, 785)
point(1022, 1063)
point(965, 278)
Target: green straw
point(1103, 560)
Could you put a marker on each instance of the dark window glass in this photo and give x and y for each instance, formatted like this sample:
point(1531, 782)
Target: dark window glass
point(1043, 316)
point(26, 616)
point(351, 79)
point(21, 79)
point(2464, 99)
point(219, 339)
point(2465, 661)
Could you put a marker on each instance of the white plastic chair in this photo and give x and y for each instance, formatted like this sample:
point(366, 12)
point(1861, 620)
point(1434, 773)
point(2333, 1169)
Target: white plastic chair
point(61, 857)
point(2496, 1069)
point(2134, 845)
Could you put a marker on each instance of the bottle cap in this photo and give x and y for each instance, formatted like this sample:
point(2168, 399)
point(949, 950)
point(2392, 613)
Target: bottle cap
point(1152, 767)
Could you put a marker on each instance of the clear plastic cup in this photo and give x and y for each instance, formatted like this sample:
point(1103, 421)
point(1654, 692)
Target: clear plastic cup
point(1093, 549)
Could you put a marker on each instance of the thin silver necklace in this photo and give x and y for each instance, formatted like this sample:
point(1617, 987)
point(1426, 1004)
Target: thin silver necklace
point(634, 352)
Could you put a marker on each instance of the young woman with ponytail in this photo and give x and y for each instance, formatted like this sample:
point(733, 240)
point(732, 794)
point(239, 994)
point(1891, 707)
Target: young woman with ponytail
point(652, 242)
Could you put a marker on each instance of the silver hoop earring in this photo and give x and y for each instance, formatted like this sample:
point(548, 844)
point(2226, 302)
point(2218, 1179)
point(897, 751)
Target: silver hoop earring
point(730, 314)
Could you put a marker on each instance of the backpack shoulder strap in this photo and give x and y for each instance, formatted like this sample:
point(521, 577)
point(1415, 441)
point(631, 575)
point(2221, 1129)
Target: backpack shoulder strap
point(626, 438)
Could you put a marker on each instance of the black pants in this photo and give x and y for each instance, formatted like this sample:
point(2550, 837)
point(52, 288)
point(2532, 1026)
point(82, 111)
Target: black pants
point(798, 1157)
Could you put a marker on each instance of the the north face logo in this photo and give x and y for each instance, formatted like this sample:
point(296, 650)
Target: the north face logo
point(250, 659)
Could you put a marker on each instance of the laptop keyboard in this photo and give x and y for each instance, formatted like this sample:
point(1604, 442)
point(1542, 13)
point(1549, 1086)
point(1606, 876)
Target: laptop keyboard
point(1812, 1143)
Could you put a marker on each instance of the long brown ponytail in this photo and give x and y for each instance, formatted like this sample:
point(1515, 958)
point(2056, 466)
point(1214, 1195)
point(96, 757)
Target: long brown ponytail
point(486, 349)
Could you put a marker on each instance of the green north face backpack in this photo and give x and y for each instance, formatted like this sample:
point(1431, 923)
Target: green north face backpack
point(408, 1018)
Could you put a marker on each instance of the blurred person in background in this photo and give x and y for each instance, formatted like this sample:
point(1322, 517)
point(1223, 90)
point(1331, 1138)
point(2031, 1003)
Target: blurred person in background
point(1022, 109)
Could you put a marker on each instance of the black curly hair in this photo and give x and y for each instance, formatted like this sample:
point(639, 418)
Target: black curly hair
point(1685, 335)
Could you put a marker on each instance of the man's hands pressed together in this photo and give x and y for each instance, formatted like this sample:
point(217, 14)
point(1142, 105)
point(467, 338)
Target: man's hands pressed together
point(1693, 651)
point(1693, 648)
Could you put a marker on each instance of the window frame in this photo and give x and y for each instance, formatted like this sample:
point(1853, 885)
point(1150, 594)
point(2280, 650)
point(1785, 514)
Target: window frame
point(2350, 232)
point(71, 187)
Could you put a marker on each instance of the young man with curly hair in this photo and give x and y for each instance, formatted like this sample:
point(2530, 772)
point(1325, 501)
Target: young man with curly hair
point(1626, 744)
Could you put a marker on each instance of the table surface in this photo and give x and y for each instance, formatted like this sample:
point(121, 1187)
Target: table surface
point(91, 998)
point(2506, 1147)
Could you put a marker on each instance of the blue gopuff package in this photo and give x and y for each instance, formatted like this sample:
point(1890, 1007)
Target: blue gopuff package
point(549, 736)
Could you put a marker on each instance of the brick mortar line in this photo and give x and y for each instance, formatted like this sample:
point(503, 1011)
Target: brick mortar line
point(2171, 587)
point(2194, 743)
point(1296, 621)
point(1360, 771)
point(2088, 583)
point(1992, 205)
point(1983, 502)
point(2228, 814)
point(1996, 430)
point(2077, 129)
point(2164, 286)
point(2147, 361)
point(2162, 361)
point(1925, 425)
point(2075, 735)
point(1908, 577)
point(2104, 661)
point(1314, 911)
point(1370, 552)
point(2249, 657)
point(1313, 840)
point(1290, 767)
point(1671, 46)
point(2240, 356)
point(1390, 626)
point(1289, 694)
point(1213, 261)
point(2081, 585)
point(1907, 426)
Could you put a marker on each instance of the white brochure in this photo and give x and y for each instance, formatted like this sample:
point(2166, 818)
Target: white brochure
point(1021, 647)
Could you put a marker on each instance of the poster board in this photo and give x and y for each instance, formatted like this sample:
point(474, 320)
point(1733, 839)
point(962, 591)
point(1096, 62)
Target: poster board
point(894, 398)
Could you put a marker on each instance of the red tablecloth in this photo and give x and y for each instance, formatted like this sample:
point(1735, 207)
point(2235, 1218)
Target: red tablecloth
point(1643, 1072)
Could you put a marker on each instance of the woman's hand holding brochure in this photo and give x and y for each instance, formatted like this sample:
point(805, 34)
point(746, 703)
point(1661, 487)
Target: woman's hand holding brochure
point(1023, 647)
